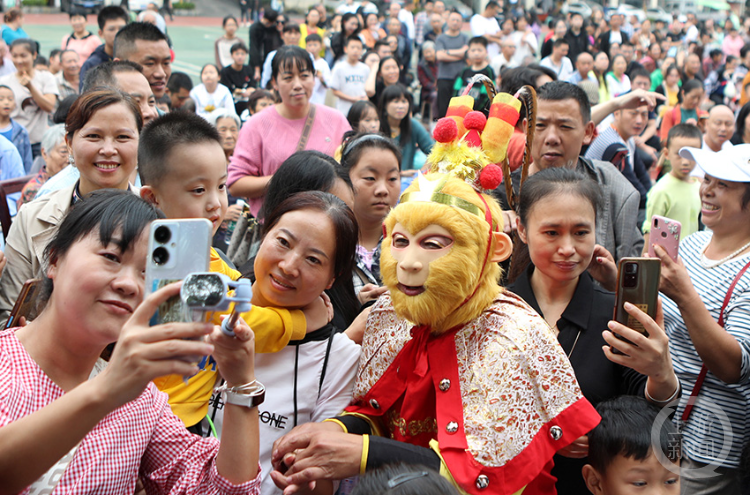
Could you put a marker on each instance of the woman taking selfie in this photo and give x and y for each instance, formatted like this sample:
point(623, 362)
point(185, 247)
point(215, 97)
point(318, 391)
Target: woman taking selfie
point(105, 425)
point(102, 136)
point(272, 135)
point(557, 224)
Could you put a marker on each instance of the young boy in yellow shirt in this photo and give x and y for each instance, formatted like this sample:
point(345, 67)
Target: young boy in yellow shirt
point(184, 173)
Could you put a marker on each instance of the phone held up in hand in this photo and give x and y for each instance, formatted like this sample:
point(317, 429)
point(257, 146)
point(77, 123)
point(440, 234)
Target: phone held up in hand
point(638, 284)
point(26, 303)
point(176, 248)
point(665, 232)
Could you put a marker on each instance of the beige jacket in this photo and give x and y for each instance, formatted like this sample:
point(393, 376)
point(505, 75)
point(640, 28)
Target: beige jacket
point(29, 234)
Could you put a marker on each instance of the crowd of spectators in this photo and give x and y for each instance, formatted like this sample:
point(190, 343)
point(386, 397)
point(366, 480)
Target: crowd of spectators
point(309, 128)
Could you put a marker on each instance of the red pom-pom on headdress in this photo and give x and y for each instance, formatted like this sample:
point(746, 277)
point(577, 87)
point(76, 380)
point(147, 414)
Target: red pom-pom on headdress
point(491, 176)
point(475, 120)
point(446, 130)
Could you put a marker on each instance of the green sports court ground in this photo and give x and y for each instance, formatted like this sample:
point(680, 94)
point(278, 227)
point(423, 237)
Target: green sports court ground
point(192, 38)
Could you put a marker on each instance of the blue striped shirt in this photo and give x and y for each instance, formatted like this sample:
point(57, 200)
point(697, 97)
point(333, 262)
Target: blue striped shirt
point(718, 426)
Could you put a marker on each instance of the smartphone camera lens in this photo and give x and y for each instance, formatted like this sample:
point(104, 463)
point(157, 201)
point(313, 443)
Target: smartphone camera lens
point(160, 255)
point(631, 275)
point(162, 234)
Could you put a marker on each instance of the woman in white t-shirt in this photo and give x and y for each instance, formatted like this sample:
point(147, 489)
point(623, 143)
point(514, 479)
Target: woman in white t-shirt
point(210, 94)
point(617, 81)
point(525, 41)
point(35, 92)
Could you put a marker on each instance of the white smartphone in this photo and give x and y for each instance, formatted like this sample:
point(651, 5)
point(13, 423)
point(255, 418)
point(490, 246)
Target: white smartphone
point(176, 248)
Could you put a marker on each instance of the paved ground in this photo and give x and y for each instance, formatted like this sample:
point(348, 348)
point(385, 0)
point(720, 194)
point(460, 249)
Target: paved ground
point(192, 37)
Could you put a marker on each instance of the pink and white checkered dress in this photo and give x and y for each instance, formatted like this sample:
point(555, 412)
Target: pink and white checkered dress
point(142, 438)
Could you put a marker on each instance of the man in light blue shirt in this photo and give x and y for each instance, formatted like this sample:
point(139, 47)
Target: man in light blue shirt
point(11, 166)
point(584, 65)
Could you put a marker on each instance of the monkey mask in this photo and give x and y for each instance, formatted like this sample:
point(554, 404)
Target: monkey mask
point(443, 241)
point(440, 252)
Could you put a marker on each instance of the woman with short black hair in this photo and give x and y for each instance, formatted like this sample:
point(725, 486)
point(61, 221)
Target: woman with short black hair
point(71, 422)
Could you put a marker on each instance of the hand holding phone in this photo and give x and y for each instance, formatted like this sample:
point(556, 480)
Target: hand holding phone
point(665, 232)
point(651, 356)
point(176, 248)
point(141, 356)
point(25, 305)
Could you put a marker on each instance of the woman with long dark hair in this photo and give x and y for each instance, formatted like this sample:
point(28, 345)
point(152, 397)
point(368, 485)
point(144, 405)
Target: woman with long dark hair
point(349, 27)
point(741, 127)
point(601, 64)
point(397, 123)
point(388, 74)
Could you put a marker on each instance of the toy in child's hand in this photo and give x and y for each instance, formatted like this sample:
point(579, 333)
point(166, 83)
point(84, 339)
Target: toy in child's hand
point(209, 291)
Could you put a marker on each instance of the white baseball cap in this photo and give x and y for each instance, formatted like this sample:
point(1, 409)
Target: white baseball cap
point(731, 164)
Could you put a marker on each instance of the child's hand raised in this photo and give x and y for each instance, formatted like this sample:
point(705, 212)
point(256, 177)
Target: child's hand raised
point(318, 313)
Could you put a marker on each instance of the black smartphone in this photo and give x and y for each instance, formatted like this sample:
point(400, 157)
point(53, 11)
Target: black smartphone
point(638, 284)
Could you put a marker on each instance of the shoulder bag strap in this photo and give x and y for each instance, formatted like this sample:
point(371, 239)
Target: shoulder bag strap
point(306, 131)
point(702, 376)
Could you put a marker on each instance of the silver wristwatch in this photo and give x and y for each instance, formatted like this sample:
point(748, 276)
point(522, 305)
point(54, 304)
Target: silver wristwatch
point(250, 395)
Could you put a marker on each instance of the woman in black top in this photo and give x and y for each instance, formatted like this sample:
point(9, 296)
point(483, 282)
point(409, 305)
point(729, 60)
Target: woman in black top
point(349, 27)
point(557, 223)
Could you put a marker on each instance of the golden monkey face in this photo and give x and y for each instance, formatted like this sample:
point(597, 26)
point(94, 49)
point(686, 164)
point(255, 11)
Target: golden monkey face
point(431, 260)
point(435, 256)
point(415, 252)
